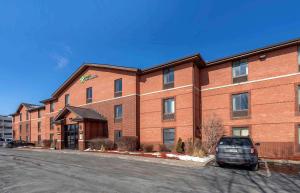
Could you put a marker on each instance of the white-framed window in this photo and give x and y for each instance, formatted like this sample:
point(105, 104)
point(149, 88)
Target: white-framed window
point(168, 78)
point(169, 108)
point(168, 136)
point(118, 87)
point(118, 112)
point(240, 104)
point(89, 95)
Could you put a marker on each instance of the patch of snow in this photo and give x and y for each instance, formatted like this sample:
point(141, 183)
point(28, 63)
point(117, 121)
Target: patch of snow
point(191, 158)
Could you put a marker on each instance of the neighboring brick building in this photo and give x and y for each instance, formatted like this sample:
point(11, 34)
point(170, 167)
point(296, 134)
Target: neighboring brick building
point(255, 93)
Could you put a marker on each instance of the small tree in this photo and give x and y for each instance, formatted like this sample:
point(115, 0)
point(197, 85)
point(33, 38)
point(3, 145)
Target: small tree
point(179, 146)
point(212, 129)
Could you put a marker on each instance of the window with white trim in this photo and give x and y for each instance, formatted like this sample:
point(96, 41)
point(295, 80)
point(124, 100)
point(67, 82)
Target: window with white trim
point(240, 131)
point(240, 71)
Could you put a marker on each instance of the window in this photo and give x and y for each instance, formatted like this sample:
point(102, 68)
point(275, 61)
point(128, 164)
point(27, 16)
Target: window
point(118, 113)
point(20, 138)
point(20, 116)
point(27, 138)
point(169, 108)
point(118, 87)
point(240, 105)
point(67, 99)
point(51, 123)
point(20, 129)
point(299, 58)
point(169, 136)
point(89, 95)
point(240, 131)
point(168, 78)
point(118, 135)
point(27, 115)
point(39, 113)
point(39, 139)
point(240, 71)
point(27, 128)
point(39, 126)
point(51, 137)
point(51, 107)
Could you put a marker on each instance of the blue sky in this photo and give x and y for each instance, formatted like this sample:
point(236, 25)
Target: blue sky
point(43, 42)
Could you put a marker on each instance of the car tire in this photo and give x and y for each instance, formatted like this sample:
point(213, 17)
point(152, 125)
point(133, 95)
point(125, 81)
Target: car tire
point(254, 167)
point(221, 165)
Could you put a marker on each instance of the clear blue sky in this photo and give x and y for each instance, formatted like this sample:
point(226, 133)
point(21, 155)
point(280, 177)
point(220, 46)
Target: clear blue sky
point(43, 42)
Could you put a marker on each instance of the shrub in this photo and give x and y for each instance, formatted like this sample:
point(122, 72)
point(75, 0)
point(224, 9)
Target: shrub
point(147, 148)
point(46, 143)
point(179, 146)
point(165, 148)
point(127, 143)
point(97, 143)
point(198, 150)
point(189, 147)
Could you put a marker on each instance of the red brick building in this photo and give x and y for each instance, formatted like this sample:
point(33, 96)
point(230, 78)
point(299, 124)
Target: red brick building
point(255, 93)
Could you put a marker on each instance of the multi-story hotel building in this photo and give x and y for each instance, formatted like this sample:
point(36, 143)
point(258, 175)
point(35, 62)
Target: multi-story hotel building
point(254, 93)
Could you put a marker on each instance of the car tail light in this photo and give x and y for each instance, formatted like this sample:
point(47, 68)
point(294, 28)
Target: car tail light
point(253, 150)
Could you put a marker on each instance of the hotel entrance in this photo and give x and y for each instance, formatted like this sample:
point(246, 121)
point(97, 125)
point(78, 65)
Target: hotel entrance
point(71, 136)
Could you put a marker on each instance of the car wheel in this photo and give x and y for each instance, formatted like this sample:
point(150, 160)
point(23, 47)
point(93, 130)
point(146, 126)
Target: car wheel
point(254, 167)
point(221, 165)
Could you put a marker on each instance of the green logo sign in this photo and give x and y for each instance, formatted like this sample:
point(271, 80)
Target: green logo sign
point(85, 78)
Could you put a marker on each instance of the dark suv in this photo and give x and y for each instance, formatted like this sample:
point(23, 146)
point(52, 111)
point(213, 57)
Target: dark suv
point(237, 151)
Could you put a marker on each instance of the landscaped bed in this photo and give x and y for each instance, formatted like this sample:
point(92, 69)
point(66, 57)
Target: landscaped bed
point(162, 155)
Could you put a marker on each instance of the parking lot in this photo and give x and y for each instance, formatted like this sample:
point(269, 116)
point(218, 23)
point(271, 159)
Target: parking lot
point(29, 171)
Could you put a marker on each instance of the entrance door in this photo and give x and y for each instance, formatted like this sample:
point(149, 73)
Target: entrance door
point(71, 136)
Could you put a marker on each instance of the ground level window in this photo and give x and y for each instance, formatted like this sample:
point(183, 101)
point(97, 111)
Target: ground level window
point(39, 139)
point(118, 135)
point(169, 136)
point(27, 138)
point(240, 131)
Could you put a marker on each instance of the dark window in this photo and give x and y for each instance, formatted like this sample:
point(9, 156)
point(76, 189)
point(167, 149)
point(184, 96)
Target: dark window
point(39, 113)
point(39, 139)
point(118, 113)
point(51, 107)
point(89, 95)
point(67, 99)
point(240, 105)
point(118, 87)
point(20, 116)
point(240, 71)
point(168, 78)
point(299, 58)
point(27, 115)
point(169, 108)
point(39, 126)
point(240, 131)
point(169, 136)
point(51, 123)
point(235, 141)
point(118, 135)
point(27, 138)
point(51, 137)
point(27, 128)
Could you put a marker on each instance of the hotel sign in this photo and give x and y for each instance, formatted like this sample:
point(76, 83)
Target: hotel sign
point(87, 77)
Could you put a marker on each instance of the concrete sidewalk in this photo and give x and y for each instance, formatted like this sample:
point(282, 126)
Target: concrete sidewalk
point(180, 163)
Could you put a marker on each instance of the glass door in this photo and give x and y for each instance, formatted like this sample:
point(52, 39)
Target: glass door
point(71, 136)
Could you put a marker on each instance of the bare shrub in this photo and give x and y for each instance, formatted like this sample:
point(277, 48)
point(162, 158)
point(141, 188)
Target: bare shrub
point(165, 148)
point(189, 147)
point(198, 150)
point(147, 147)
point(97, 143)
point(46, 143)
point(212, 129)
point(127, 143)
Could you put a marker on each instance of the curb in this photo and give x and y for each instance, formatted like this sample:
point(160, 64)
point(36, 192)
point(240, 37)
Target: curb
point(180, 163)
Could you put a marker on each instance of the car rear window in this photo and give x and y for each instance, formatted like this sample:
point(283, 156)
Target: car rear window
point(235, 141)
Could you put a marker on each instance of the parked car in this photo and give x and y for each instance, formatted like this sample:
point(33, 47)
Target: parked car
point(18, 143)
point(1, 142)
point(237, 151)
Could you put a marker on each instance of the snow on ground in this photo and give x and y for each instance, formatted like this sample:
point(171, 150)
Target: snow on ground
point(191, 158)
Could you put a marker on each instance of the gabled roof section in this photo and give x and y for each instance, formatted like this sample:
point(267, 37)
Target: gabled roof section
point(81, 69)
point(193, 58)
point(256, 51)
point(29, 107)
point(82, 113)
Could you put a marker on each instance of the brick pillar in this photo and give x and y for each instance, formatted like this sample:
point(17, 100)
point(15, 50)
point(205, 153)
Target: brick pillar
point(59, 137)
point(81, 140)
